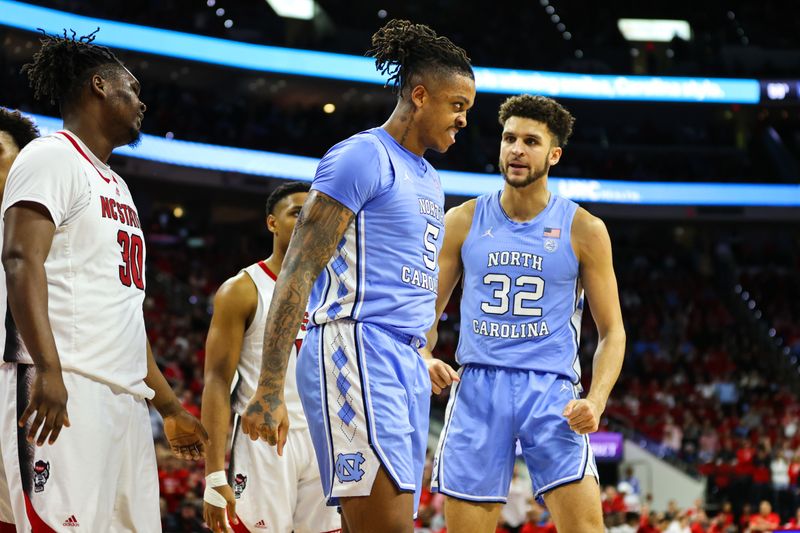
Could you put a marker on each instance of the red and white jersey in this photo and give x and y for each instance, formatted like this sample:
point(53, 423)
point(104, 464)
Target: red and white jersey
point(95, 267)
point(250, 359)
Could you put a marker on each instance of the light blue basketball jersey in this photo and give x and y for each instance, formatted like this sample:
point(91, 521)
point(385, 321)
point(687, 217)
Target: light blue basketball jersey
point(384, 270)
point(522, 301)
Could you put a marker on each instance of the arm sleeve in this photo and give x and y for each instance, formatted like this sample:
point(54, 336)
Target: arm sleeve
point(352, 173)
point(52, 179)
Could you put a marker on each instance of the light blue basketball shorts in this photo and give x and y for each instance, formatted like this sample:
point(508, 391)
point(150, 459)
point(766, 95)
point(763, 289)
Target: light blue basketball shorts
point(366, 395)
point(489, 410)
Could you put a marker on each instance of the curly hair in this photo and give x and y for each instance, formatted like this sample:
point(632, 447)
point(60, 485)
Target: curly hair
point(20, 127)
point(542, 109)
point(402, 49)
point(284, 190)
point(64, 63)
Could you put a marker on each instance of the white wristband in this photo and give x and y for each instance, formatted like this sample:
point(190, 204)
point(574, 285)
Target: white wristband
point(216, 479)
point(212, 497)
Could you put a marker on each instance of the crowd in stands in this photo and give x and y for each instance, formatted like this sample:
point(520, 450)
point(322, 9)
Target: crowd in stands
point(720, 36)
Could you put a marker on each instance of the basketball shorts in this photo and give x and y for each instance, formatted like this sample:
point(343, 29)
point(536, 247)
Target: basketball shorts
point(278, 494)
point(492, 408)
point(366, 395)
point(6, 513)
point(100, 475)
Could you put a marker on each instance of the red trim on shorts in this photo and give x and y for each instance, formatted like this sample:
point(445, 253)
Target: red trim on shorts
point(238, 528)
point(86, 157)
point(334, 531)
point(37, 524)
point(5, 527)
point(266, 269)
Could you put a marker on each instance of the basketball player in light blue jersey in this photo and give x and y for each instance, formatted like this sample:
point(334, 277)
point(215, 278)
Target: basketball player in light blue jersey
point(526, 256)
point(367, 239)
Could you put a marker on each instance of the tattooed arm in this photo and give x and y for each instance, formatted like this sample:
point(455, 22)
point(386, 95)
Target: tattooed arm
point(320, 227)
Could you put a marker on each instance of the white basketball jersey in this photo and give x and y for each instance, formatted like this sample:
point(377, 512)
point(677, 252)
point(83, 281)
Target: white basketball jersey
point(95, 267)
point(249, 367)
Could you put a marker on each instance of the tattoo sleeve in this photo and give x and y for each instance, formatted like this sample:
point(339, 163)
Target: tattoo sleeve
point(319, 228)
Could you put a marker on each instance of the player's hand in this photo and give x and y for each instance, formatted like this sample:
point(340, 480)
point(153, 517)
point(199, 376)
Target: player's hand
point(49, 402)
point(583, 416)
point(266, 418)
point(186, 435)
point(215, 516)
point(442, 375)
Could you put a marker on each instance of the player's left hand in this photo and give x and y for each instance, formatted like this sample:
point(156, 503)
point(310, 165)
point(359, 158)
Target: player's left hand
point(583, 416)
point(442, 375)
point(186, 435)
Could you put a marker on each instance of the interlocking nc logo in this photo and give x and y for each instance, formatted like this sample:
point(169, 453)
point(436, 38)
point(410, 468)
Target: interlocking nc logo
point(348, 467)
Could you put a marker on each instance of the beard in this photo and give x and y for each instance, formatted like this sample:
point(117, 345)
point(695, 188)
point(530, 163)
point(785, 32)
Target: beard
point(135, 137)
point(534, 174)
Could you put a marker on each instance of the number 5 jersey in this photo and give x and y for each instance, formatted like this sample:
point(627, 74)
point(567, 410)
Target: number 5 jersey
point(95, 267)
point(384, 270)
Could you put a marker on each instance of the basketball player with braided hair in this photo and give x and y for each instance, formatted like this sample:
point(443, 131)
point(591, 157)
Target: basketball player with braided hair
point(365, 249)
point(78, 446)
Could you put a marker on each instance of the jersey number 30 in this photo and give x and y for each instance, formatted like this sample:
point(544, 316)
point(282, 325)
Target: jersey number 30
point(130, 271)
point(501, 295)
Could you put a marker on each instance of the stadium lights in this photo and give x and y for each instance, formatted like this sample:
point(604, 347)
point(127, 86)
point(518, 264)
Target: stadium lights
point(362, 69)
point(294, 167)
point(654, 30)
point(293, 9)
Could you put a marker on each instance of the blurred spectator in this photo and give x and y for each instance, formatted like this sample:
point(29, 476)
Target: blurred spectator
point(538, 520)
point(630, 525)
point(629, 497)
point(765, 520)
point(781, 495)
point(632, 480)
point(679, 524)
point(515, 510)
point(794, 522)
point(190, 518)
point(430, 514)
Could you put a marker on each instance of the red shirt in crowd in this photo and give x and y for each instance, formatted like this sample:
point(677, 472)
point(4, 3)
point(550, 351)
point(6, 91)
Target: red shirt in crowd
point(173, 487)
point(794, 471)
point(529, 527)
point(617, 505)
point(759, 522)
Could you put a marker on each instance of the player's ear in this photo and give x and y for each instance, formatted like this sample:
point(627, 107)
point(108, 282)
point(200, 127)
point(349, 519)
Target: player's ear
point(271, 223)
point(555, 155)
point(419, 95)
point(98, 85)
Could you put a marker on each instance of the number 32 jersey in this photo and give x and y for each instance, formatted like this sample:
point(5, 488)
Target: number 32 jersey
point(95, 267)
point(522, 300)
point(384, 270)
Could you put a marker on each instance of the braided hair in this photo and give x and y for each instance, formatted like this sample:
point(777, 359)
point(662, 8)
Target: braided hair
point(20, 127)
point(402, 50)
point(64, 63)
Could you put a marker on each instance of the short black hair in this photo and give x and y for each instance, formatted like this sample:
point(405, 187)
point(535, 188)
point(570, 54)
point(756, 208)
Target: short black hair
point(542, 109)
point(64, 63)
point(403, 49)
point(20, 127)
point(283, 191)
